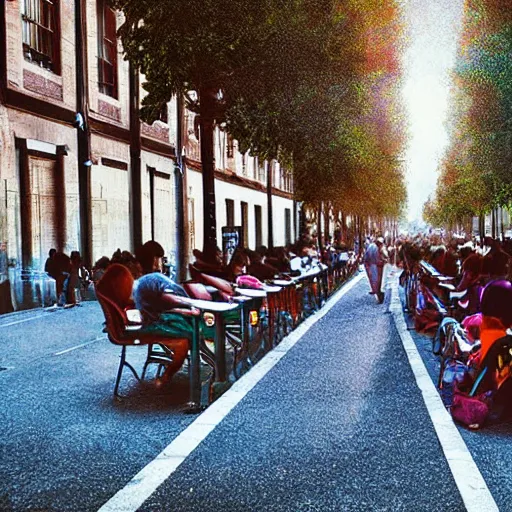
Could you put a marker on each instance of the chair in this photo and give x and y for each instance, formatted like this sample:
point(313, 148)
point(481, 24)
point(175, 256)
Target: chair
point(113, 291)
point(496, 368)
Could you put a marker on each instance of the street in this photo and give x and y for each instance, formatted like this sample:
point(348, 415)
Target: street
point(336, 423)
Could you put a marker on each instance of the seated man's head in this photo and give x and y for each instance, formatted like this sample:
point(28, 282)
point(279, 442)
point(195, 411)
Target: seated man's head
point(239, 262)
point(150, 257)
point(497, 301)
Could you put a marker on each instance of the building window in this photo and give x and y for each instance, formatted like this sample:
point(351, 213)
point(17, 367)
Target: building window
point(107, 49)
point(163, 115)
point(258, 226)
point(230, 212)
point(261, 171)
point(245, 223)
point(230, 146)
point(287, 226)
point(41, 33)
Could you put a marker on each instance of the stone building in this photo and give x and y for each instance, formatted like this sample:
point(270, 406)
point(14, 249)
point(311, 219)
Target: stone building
point(79, 171)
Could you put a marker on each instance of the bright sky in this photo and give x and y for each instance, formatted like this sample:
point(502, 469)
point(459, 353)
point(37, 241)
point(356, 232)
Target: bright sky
point(433, 30)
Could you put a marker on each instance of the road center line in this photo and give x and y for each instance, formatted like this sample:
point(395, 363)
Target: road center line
point(99, 338)
point(144, 484)
point(467, 476)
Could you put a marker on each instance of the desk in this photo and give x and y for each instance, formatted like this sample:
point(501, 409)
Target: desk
point(218, 309)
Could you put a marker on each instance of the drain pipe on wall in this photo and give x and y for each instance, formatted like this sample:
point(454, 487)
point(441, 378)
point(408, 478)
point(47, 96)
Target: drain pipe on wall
point(182, 238)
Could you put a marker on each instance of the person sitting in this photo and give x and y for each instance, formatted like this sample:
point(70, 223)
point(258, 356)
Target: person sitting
point(260, 269)
point(100, 268)
point(214, 268)
point(496, 306)
point(156, 295)
point(237, 266)
point(471, 271)
point(150, 257)
point(496, 261)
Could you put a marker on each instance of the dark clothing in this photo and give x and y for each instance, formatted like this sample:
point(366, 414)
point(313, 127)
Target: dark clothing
point(262, 271)
point(51, 268)
point(496, 263)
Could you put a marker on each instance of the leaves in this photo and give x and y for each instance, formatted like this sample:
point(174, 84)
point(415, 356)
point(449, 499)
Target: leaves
point(313, 83)
point(475, 173)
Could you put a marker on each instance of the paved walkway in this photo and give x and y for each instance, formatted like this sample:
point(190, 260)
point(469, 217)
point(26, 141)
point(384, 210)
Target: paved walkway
point(337, 424)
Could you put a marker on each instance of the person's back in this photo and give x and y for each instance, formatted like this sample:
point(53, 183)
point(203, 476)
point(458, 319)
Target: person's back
point(50, 266)
point(156, 295)
point(262, 271)
point(150, 294)
point(371, 256)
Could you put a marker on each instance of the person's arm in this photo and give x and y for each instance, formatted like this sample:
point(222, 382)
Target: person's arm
point(171, 301)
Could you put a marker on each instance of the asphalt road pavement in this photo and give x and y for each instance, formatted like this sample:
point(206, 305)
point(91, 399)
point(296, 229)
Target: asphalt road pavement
point(337, 424)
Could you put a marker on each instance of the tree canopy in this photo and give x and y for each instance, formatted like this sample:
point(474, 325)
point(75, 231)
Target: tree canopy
point(475, 172)
point(313, 83)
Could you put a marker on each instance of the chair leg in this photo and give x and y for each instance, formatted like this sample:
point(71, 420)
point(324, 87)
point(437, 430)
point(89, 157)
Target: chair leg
point(122, 364)
point(120, 370)
point(150, 348)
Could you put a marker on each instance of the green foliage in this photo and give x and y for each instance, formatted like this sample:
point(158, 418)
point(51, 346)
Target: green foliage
point(475, 173)
point(313, 83)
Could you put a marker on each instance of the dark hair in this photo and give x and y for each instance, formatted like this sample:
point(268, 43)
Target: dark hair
point(103, 262)
point(147, 253)
point(497, 301)
point(51, 252)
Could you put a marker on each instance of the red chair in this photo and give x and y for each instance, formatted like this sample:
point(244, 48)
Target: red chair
point(113, 291)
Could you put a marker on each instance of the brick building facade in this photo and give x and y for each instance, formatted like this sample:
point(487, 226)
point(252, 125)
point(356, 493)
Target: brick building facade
point(78, 171)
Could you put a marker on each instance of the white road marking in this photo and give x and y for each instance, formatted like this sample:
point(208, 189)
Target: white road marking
point(467, 476)
point(99, 338)
point(21, 321)
point(145, 483)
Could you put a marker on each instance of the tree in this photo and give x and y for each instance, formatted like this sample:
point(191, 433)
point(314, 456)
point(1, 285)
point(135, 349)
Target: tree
point(248, 62)
point(475, 173)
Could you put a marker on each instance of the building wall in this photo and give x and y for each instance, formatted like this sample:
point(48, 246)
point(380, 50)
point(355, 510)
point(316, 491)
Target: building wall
point(25, 126)
point(102, 106)
point(279, 205)
point(53, 97)
point(165, 222)
point(238, 194)
point(32, 80)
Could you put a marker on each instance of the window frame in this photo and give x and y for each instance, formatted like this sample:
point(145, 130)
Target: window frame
point(230, 213)
point(244, 210)
point(41, 29)
point(107, 49)
point(258, 225)
point(287, 226)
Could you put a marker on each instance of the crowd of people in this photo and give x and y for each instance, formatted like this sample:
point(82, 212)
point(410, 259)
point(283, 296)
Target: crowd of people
point(481, 276)
point(72, 278)
point(156, 294)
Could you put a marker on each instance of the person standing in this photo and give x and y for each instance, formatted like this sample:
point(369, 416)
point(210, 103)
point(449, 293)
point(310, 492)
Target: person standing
point(375, 258)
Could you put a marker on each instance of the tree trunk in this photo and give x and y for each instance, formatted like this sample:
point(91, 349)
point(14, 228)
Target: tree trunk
point(207, 99)
point(502, 225)
point(83, 135)
point(493, 223)
point(319, 227)
point(182, 242)
point(135, 159)
point(270, 211)
point(327, 224)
